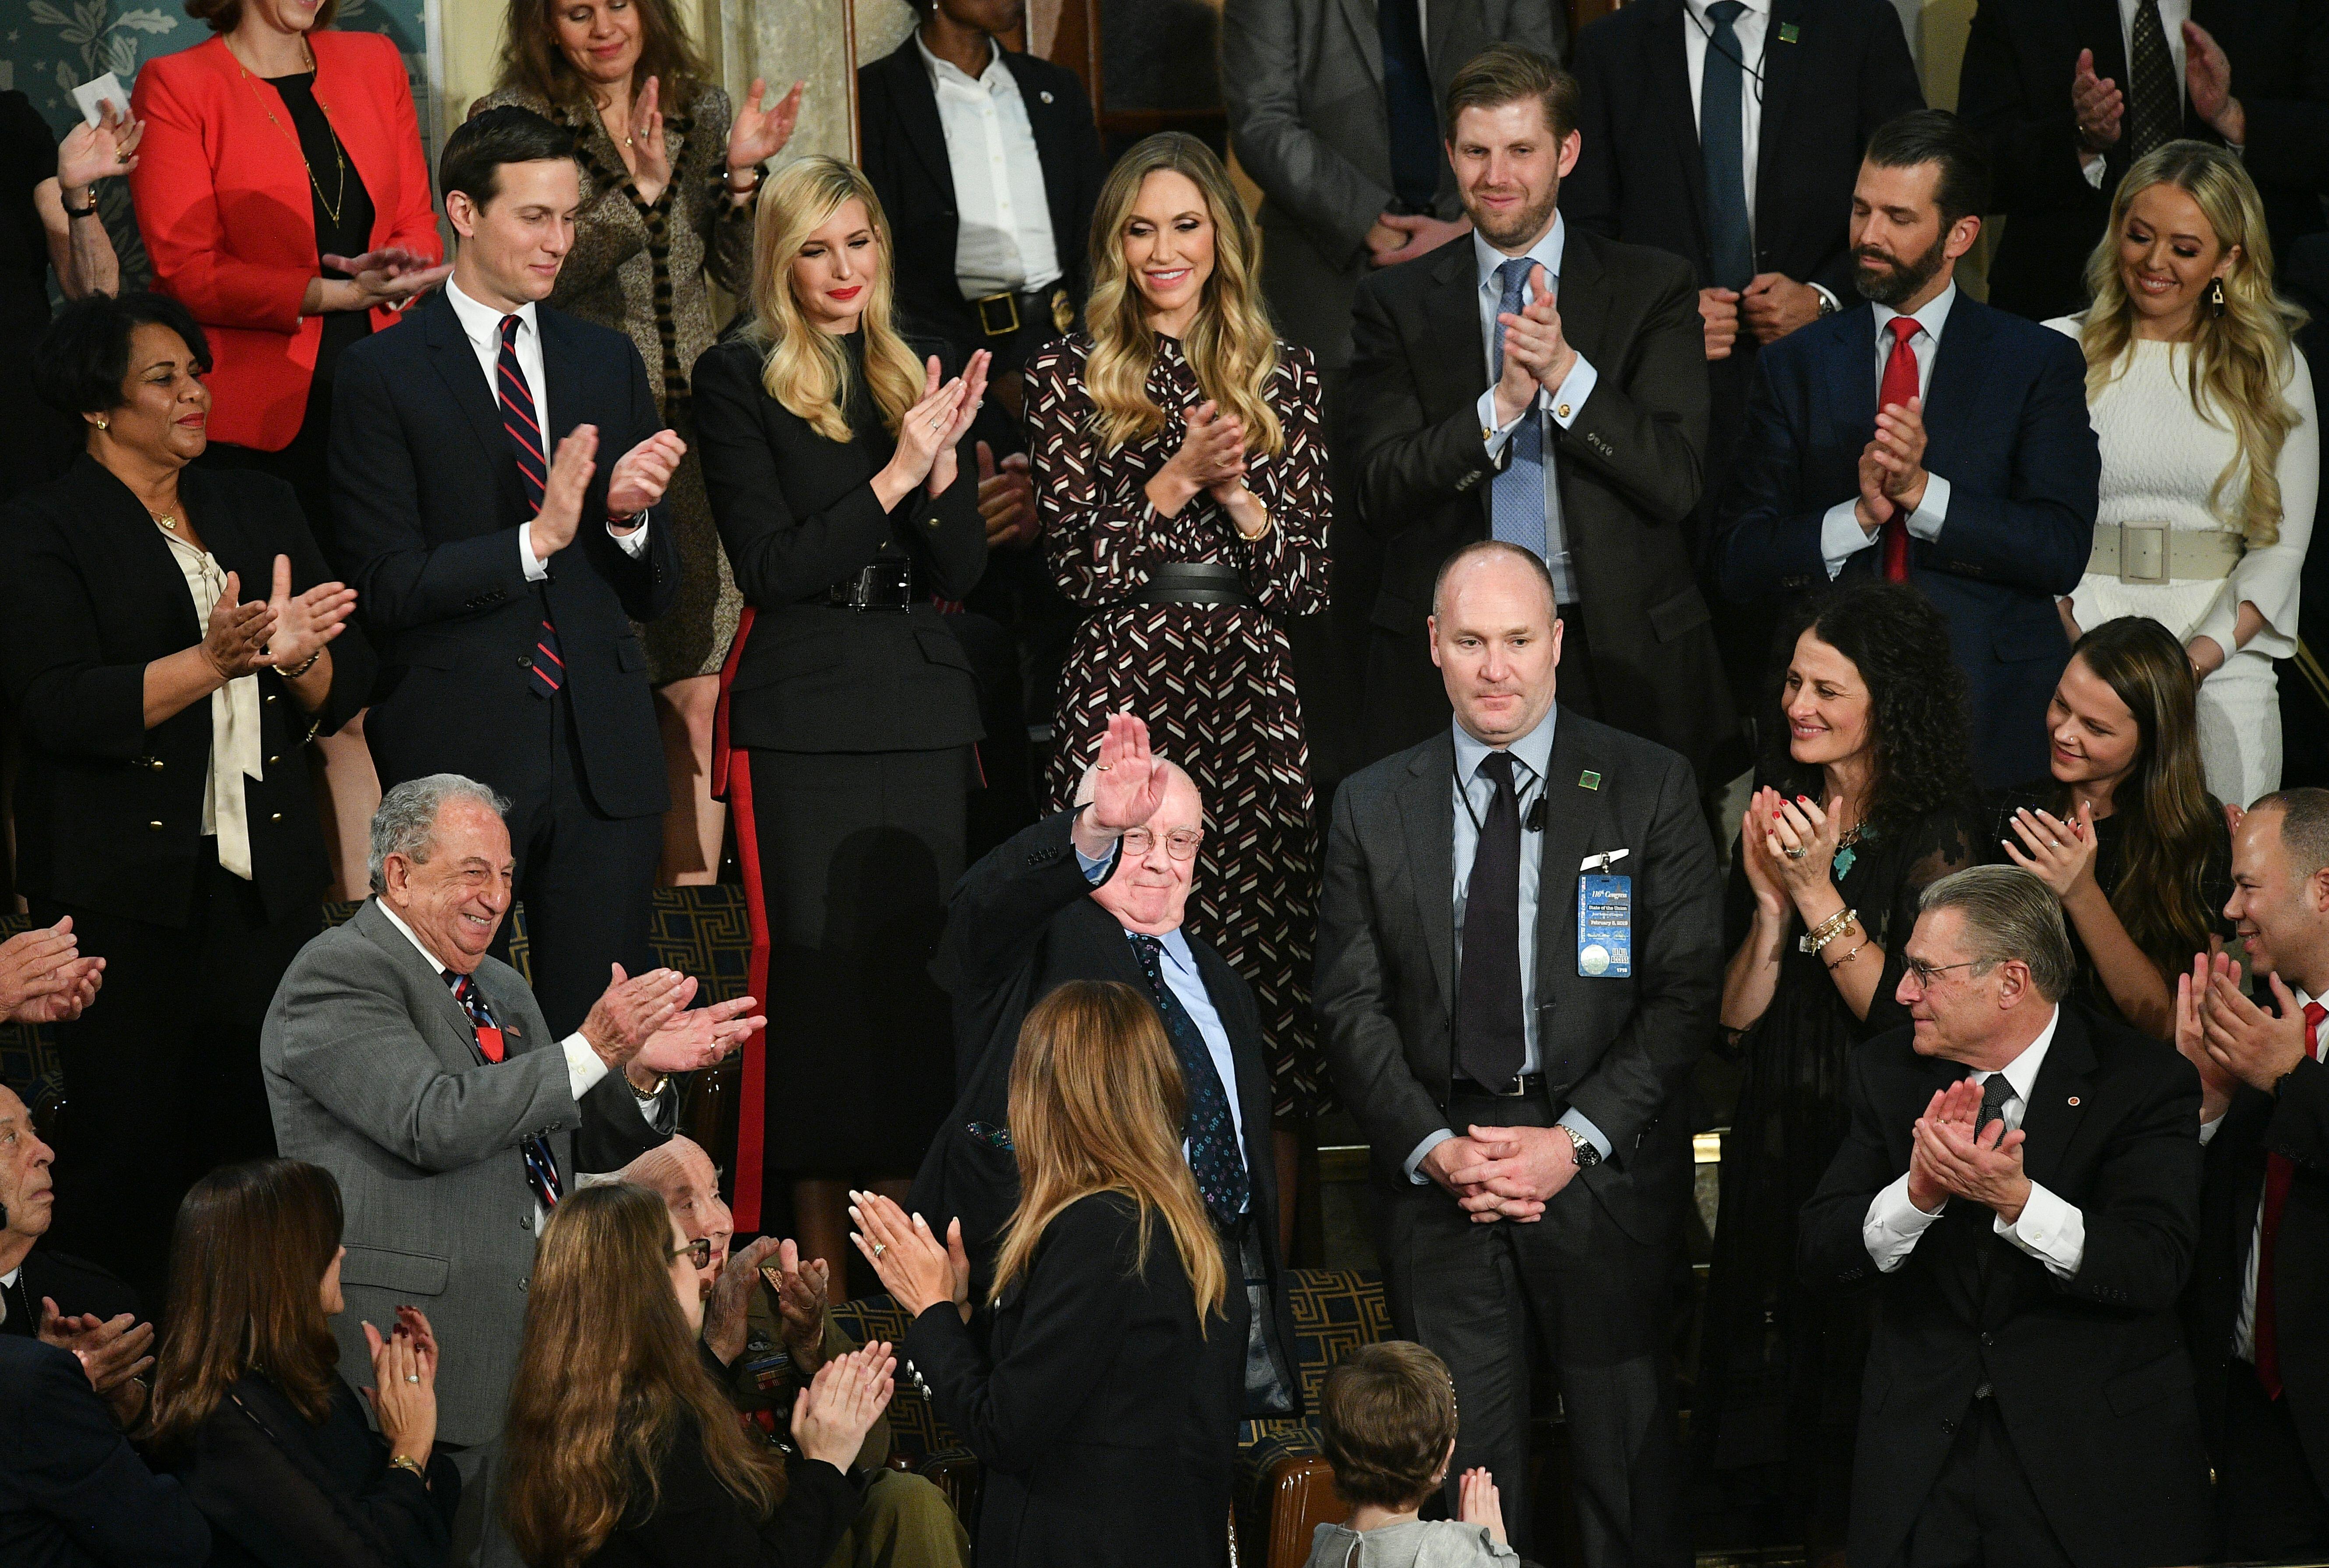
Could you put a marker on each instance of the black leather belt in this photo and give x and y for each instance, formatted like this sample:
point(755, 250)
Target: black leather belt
point(885, 584)
point(1196, 583)
point(1527, 1083)
point(1001, 316)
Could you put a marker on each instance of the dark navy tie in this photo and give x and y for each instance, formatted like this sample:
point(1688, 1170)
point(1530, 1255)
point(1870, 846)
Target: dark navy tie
point(1210, 1131)
point(1723, 144)
point(541, 1165)
point(522, 423)
point(1413, 119)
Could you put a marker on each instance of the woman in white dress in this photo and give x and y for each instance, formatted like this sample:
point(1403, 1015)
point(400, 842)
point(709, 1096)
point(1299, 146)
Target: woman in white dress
point(2211, 445)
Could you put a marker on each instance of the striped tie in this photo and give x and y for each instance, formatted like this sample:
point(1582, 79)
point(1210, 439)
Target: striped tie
point(541, 1166)
point(523, 424)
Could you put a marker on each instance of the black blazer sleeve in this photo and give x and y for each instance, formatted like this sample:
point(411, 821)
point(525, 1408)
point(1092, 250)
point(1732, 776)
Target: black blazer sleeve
point(2033, 146)
point(758, 455)
point(71, 695)
point(2142, 1210)
point(1408, 464)
point(1642, 430)
point(1768, 536)
point(698, 1524)
point(1000, 908)
point(61, 1459)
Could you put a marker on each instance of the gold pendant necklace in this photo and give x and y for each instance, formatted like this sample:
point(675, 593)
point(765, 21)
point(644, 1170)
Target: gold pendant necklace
point(335, 204)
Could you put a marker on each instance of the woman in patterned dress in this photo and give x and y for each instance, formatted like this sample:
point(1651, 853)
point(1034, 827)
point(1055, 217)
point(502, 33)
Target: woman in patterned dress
point(667, 202)
point(1181, 477)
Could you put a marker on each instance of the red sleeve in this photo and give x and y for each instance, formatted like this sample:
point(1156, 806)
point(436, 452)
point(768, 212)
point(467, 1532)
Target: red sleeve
point(175, 191)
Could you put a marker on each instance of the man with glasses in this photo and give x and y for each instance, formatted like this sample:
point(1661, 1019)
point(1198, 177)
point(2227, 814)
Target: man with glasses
point(1098, 893)
point(2021, 1185)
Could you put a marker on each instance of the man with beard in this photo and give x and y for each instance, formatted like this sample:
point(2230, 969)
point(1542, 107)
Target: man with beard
point(1536, 384)
point(1925, 438)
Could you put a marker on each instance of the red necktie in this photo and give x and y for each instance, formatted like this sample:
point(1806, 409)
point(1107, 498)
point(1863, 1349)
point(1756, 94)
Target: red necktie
point(2279, 1175)
point(1899, 386)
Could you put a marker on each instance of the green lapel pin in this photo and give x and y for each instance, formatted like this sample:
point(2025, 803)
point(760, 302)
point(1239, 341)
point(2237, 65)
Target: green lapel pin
point(1789, 32)
point(1589, 780)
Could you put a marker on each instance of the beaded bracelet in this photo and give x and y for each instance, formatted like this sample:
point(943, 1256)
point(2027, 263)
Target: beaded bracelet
point(1827, 931)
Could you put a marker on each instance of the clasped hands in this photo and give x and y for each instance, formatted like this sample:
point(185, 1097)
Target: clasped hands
point(1209, 461)
point(1892, 477)
point(1951, 1156)
point(43, 978)
point(1497, 1173)
point(1770, 306)
point(2230, 1039)
point(646, 1020)
point(640, 477)
point(1537, 357)
point(277, 632)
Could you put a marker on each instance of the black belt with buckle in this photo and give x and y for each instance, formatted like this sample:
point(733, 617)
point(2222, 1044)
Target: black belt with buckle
point(1196, 583)
point(1525, 1085)
point(885, 584)
point(1001, 316)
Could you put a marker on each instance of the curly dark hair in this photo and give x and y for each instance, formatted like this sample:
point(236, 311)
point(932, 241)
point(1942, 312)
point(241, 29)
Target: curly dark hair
point(1901, 645)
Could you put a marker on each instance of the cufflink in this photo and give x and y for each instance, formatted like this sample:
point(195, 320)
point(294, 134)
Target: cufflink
point(1561, 412)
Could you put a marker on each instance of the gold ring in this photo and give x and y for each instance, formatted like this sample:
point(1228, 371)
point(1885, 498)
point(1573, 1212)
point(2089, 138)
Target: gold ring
point(879, 1248)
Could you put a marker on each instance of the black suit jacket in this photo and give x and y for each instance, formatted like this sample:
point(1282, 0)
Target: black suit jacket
point(2294, 1122)
point(696, 1520)
point(1619, 1050)
point(2014, 89)
point(797, 514)
point(2088, 1373)
point(1628, 469)
point(75, 1284)
point(428, 504)
point(1102, 1446)
point(108, 812)
point(1021, 923)
point(902, 149)
point(72, 1492)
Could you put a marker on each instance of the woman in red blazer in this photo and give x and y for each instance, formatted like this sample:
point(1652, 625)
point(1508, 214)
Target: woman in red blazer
point(272, 151)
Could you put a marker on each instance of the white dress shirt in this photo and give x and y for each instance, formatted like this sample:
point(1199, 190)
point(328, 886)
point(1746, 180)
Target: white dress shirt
point(2244, 1325)
point(2173, 15)
point(1575, 388)
point(1841, 536)
point(482, 325)
point(1003, 240)
point(2050, 1230)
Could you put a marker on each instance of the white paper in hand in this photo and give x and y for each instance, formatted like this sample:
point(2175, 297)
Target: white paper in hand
point(105, 89)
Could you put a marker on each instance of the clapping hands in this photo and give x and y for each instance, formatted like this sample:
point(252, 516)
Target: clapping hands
point(916, 1270)
point(43, 978)
point(841, 1402)
point(1950, 1156)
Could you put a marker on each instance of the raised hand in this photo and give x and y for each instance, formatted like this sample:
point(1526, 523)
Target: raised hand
point(1775, 304)
point(1959, 1104)
point(91, 152)
point(1977, 1166)
point(696, 1037)
point(2057, 853)
point(1873, 509)
point(570, 467)
point(1211, 453)
point(2218, 1082)
point(650, 158)
point(305, 623)
point(2099, 106)
point(2207, 79)
point(235, 643)
point(642, 474)
point(801, 1296)
point(403, 1394)
point(631, 1010)
point(1759, 855)
point(392, 276)
point(1802, 845)
point(943, 464)
point(910, 1262)
point(2257, 1046)
point(1397, 237)
point(1534, 338)
point(1129, 783)
point(757, 134)
point(1479, 1502)
point(1006, 499)
point(728, 1310)
point(36, 964)
point(921, 432)
point(841, 1402)
point(112, 1352)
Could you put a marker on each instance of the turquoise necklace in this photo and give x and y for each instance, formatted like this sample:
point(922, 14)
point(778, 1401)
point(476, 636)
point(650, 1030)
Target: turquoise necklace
point(1845, 853)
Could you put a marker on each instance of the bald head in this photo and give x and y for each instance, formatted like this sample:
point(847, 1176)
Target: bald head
point(1495, 635)
point(683, 1175)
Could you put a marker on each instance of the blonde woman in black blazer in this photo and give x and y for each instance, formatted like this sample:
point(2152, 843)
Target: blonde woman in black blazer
point(846, 505)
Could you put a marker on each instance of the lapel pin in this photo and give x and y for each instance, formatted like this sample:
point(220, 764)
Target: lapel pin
point(1789, 32)
point(2074, 1099)
point(1045, 96)
point(1589, 780)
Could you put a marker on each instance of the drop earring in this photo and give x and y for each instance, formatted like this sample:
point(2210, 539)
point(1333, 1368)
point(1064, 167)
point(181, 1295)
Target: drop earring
point(2216, 297)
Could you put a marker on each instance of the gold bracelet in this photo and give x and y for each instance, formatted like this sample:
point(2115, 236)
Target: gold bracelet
point(1847, 958)
point(405, 1461)
point(1827, 931)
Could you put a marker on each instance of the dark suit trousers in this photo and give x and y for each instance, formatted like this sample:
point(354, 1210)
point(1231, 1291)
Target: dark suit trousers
point(1592, 1302)
point(1982, 1512)
point(162, 1080)
point(2268, 1507)
point(587, 879)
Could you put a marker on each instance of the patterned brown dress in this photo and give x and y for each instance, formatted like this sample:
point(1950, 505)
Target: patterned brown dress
point(644, 269)
point(1212, 681)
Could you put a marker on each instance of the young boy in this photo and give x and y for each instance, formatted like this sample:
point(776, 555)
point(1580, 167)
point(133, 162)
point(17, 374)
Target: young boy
point(1389, 1420)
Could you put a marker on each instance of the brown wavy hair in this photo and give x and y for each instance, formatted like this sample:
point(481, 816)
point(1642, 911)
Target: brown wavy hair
point(1385, 1417)
point(531, 60)
point(2172, 821)
point(1231, 347)
point(608, 1379)
point(248, 1256)
point(1097, 1105)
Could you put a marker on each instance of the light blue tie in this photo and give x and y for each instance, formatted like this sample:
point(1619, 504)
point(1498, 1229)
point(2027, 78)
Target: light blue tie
point(1516, 498)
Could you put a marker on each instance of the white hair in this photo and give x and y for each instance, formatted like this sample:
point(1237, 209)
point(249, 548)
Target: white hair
point(406, 822)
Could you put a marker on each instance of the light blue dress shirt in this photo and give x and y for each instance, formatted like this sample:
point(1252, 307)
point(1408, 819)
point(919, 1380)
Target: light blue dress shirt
point(1840, 535)
point(1575, 388)
point(1533, 756)
point(1180, 968)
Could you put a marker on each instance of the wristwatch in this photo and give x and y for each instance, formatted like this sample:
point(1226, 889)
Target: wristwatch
point(1587, 1155)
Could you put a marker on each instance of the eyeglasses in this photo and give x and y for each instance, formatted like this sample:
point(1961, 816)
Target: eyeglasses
point(1181, 843)
point(697, 1252)
point(1923, 972)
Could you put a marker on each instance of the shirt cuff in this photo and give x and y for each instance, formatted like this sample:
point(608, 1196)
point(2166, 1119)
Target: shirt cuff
point(537, 570)
point(1840, 535)
point(583, 1067)
point(1893, 1224)
point(1414, 1166)
point(2093, 166)
point(2050, 1230)
point(1925, 522)
point(1827, 294)
point(634, 543)
point(2208, 1130)
point(1575, 388)
point(1579, 1122)
point(1097, 872)
point(1496, 434)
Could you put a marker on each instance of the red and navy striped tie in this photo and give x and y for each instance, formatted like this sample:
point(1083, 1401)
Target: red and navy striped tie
point(522, 422)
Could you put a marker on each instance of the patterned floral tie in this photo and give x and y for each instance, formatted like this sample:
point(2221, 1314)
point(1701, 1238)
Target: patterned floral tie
point(541, 1165)
point(522, 422)
point(1214, 1157)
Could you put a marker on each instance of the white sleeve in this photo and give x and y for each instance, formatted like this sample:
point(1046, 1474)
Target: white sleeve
point(634, 544)
point(537, 570)
point(2050, 1230)
point(2270, 576)
point(1894, 1226)
point(1840, 535)
point(583, 1067)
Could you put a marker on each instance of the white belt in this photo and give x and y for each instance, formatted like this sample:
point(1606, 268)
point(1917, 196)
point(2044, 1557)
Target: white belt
point(2155, 552)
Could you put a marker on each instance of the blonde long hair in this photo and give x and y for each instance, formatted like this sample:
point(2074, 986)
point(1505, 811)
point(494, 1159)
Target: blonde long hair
point(607, 1378)
point(2238, 359)
point(1097, 1104)
point(1230, 346)
point(807, 370)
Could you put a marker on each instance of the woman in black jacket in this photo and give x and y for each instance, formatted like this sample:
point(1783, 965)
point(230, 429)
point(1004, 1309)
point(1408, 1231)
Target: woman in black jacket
point(621, 1450)
point(1106, 1442)
point(832, 456)
point(170, 646)
point(268, 1440)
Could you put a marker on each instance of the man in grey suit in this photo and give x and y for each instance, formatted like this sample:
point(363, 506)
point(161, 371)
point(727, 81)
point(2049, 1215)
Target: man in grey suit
point(420, 1073)
point(1519, 957)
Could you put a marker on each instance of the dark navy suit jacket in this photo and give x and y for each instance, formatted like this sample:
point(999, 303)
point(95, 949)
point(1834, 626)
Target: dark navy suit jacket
point(2006, 423)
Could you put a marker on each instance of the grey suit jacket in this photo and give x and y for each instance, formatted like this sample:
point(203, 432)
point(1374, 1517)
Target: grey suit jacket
point(1304, 80)
point(372, 1075)
point(1619, 1050)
